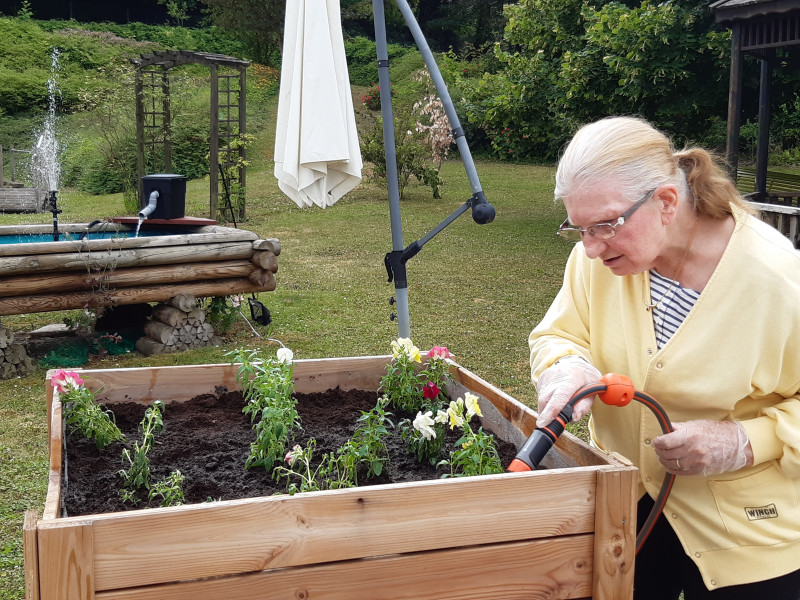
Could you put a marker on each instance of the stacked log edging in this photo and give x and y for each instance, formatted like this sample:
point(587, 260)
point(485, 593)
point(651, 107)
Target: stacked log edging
point(14, 359)
point(177, 325)
point(204, 261)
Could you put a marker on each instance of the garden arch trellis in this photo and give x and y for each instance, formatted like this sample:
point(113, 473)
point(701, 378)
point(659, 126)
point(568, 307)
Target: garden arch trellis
point(227, 117)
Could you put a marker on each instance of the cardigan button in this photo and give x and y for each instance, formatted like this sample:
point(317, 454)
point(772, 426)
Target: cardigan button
point(659, 365)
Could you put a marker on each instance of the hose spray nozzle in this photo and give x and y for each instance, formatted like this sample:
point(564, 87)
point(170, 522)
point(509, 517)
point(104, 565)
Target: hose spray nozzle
point(613, 389)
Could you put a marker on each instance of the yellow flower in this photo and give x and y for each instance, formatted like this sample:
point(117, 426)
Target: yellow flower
point(454, 412)
point(471, 402)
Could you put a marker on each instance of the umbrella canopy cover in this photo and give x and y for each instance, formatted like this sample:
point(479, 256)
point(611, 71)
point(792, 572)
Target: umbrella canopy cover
point(317, 155)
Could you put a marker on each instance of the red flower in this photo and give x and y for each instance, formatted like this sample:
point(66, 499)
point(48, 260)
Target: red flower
point(431, 391)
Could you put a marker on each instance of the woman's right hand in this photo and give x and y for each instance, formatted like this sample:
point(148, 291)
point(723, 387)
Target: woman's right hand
point(558, 383)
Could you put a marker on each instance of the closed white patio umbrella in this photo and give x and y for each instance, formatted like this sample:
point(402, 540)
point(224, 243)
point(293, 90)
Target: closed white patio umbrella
point(317, 154)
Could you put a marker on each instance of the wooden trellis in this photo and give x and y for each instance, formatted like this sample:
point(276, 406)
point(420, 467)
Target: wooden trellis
point(227, 120)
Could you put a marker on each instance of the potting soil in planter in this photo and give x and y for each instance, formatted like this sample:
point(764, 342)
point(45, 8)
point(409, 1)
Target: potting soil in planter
point(208, 440)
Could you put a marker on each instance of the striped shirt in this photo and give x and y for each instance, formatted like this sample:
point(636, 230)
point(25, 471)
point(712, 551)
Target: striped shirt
point(673, 306)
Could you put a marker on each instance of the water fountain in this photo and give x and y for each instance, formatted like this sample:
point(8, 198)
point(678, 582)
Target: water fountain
point(110, 262)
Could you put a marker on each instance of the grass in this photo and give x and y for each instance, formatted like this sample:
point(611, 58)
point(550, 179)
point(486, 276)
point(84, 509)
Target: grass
point(476, 289)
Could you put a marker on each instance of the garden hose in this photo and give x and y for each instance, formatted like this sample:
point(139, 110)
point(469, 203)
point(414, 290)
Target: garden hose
point(614, 390)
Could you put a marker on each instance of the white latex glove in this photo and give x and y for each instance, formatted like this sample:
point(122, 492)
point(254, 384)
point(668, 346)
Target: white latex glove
point(704, 447)
point(557, 384)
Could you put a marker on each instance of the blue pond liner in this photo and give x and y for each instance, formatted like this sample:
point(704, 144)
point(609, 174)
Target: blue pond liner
point(33, 238)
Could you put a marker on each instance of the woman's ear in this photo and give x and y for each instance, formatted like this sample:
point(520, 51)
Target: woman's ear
point(668, 196)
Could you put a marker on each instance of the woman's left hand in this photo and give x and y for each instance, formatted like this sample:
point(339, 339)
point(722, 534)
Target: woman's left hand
point(704, 447)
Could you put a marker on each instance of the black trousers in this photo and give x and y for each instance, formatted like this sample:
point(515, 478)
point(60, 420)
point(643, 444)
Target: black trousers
point(663, 571)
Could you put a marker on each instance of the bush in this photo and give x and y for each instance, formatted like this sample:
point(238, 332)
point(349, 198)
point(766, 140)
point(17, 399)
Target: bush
point(362, 59)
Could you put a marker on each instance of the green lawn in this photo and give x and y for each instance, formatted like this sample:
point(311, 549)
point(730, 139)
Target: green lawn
point(476, 289)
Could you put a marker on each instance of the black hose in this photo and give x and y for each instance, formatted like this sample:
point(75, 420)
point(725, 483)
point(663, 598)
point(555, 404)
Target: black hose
point(543, 438)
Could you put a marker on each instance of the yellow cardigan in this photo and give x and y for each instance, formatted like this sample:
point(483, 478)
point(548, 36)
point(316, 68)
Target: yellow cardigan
point(736, 356)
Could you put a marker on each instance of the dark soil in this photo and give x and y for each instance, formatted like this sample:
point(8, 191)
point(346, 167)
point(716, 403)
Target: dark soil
point(208, 439)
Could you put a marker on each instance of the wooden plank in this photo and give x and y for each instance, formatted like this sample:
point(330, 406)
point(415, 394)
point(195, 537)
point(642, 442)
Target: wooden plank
point(535, 570)
point(615, 534)
point(127, 277)
point(177, 383)
point(66, 557)
point(122, 257)
point(132, 295)
point(30, 554)
point(219, 235)
point(52, 504)
point(241, 536)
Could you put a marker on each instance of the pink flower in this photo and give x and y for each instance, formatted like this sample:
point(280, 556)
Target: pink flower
point(439, 352)
point(431, 391)
point(65, 381)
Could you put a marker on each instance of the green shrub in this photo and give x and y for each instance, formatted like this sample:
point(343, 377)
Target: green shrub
point(362, 59)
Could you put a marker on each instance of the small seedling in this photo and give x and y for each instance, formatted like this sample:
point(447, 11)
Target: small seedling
point(137, 476)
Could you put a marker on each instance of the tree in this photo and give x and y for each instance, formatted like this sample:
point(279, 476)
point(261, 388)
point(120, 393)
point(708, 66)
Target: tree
point(567, 62)
point(257, 23)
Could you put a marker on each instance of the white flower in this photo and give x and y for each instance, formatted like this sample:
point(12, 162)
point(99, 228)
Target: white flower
point(404, 346)
point(471, 403)
point(441, 416)
point(423, 423)
point(285, 355)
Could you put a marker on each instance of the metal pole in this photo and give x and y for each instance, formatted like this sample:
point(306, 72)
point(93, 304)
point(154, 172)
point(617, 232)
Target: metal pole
point(400, 282)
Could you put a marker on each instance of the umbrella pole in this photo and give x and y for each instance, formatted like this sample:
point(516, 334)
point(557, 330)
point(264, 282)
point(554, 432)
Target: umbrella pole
point(398, 267)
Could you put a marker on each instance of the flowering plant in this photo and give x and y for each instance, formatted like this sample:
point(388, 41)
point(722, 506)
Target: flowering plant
point(268, 387)
point(401, 385)
point(82, 412)
point(222, 311)
point(477, 454)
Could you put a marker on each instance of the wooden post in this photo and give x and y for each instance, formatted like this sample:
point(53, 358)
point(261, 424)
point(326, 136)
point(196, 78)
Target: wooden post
point(762, 150)
point(213, 156)
point(166, 121)
point(242, 131)
point(139, 90)
point(614, 534)
point(734, 99)
point(30, 555)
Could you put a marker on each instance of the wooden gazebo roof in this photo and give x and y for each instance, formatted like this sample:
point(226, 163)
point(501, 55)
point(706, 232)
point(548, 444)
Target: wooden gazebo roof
point(173, 58)
point(759, 27)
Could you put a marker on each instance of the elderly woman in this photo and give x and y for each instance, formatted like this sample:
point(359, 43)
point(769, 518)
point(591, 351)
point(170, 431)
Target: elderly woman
point(678, 286)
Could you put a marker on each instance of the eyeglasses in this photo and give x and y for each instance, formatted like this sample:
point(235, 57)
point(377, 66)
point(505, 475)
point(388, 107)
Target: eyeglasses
point(600, 231)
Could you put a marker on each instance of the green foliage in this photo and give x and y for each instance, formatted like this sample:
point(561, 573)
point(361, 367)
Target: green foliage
point(222, 311)
point(258, 24)
point(136, 477)
point(567, 63)
point(476, 451)
point(412, 156)
point(400, 385)
point(366, 446)
point(169, 490)
point(330, 474)
point(362, 55)
point(87, 417)
point(426, 449)
point(268, 388)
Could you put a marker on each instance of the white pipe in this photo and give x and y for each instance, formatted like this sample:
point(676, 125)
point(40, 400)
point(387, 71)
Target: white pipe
point(151, 205)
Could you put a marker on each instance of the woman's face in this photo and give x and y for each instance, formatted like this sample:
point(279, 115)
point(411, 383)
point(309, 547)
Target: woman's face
point(637, 242)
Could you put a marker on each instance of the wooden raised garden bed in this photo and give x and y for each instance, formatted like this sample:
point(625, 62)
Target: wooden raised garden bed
point(566, 531)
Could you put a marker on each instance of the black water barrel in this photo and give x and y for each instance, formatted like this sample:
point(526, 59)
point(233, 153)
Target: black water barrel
point(171, 195)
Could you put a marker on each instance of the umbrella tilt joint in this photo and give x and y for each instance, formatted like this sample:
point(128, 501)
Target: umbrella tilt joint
point(395, 261)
